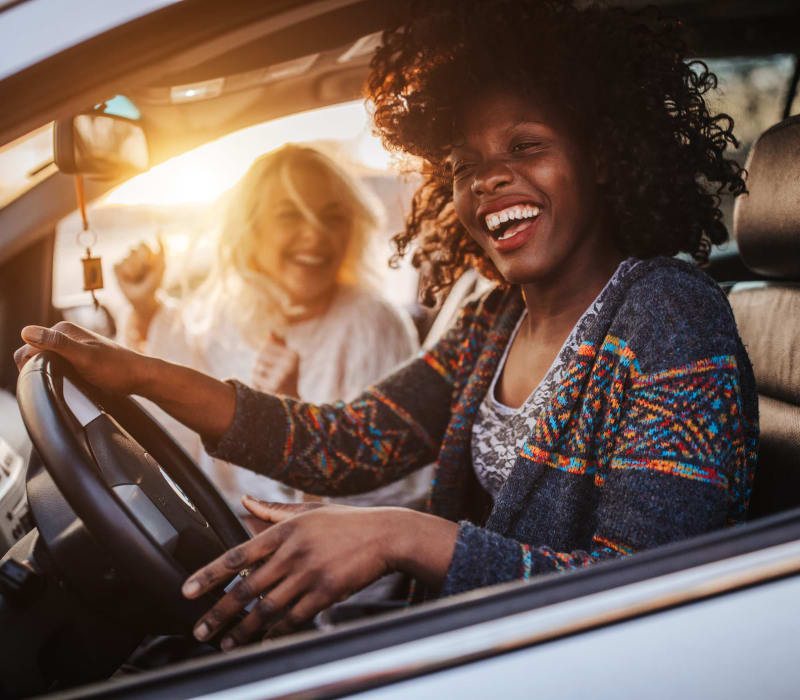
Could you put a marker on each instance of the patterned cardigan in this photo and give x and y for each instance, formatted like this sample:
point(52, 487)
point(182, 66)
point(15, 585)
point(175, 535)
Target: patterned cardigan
point(650, 438)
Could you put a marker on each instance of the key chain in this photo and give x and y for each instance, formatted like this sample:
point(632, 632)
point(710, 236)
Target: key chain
point(92, 269)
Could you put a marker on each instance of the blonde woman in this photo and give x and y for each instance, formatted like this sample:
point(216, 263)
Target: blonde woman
point(285, 309)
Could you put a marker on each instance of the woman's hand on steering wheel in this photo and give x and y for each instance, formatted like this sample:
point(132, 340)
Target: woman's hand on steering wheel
point(96, 359)
point(199, 401)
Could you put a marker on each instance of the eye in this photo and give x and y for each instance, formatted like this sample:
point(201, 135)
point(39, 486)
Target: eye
point(336, 220)
point(460, 167)
point(289, 215)
point(523, 146)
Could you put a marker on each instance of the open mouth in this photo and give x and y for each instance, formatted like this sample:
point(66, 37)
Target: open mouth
point(308, 259)
point(507, 222)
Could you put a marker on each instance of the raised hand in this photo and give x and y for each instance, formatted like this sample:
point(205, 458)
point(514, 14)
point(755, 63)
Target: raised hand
point(276, 369)
point(141, 273)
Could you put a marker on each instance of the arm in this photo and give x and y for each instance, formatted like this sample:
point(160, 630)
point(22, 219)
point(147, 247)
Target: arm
point(202, 403)
point(391, 429)
point(322, 555)
point(139, 276)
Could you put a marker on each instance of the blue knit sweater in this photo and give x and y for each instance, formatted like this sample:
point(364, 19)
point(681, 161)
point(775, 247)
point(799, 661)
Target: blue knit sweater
point(651, 437)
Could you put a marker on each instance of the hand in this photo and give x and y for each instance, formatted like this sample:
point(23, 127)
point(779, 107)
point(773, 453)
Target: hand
point(200, 402)
point(140, 275)
point(312, 556)
point(277, 368)
point(97, 359)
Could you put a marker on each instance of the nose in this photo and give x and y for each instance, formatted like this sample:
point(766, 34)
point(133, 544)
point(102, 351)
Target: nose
point(311, 232)
point(492, 176)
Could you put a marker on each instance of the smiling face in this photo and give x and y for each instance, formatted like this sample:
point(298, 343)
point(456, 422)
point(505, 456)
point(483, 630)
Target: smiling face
point(526, 191)
point(303, 235)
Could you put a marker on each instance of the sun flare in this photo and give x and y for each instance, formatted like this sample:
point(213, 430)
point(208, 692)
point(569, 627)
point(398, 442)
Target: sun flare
point(202, 174)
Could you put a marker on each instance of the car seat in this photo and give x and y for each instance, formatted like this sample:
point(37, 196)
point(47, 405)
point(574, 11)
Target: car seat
point(767, 230)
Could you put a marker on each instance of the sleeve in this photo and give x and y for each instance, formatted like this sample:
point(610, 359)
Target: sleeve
point(337, 449)
point(681, 459)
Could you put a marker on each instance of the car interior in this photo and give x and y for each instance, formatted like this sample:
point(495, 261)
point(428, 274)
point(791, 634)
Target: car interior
point(90, 566)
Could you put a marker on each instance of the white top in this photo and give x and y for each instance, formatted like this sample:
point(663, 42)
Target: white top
point(500, 431)
point(359, 340)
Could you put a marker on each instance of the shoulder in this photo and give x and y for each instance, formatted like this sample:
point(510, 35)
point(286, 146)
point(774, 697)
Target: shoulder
point(671, 312)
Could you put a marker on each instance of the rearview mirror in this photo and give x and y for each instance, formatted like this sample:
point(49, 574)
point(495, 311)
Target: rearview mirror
point(100, 145)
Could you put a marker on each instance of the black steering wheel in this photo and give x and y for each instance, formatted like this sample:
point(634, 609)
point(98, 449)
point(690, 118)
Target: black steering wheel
point(138, 494)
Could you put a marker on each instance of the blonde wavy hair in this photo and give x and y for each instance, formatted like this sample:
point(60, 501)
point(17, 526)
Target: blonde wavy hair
point(246, 295)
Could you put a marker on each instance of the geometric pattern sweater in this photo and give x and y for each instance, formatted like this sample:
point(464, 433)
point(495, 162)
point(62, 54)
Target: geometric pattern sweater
point(650, 438)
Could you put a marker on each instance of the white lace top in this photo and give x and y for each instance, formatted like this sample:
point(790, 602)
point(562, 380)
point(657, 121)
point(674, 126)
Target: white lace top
point(499, 431)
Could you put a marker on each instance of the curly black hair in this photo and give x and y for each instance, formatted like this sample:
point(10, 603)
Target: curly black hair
point(621, 82)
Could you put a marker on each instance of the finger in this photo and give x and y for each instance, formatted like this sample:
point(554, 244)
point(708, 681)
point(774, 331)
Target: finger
point(47, 339)
point(224, 567)
point(130, 268)
point(267, 611)
point(276, 512)
point(245, 591)
point(23, 354)
point(308, 606)
point(160, 252)
point(275, 362)
point(277, 338)
point(277, 365)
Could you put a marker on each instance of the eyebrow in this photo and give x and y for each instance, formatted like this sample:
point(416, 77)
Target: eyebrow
point(526, 122)
point(507, 130)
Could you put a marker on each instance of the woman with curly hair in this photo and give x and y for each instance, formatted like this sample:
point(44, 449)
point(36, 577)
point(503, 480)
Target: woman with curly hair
point(595, 403)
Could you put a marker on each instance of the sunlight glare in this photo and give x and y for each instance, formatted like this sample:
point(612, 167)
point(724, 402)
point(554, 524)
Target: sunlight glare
point(202, 174)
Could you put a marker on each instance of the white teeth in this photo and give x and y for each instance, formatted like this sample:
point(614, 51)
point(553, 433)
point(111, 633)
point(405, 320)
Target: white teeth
point(518, 211)
point(308, 259)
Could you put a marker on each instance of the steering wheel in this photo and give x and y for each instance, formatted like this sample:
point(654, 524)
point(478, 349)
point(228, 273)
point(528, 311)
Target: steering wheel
point(139, 495)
